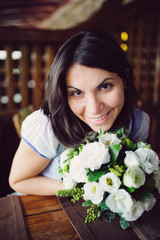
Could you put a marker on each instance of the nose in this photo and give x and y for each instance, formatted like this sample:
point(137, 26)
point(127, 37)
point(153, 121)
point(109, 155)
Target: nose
point(94, 104)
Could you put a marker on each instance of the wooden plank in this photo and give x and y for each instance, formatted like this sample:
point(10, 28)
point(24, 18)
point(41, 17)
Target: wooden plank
point(39, 204)
point(45, 219)
point(49, 226)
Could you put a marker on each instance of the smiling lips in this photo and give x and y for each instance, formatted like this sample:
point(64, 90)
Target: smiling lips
point(100, 120)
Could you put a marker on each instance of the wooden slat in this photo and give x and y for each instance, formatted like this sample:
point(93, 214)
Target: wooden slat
point(9, 76)
point(41, 204)
point(23, 81)
point(45, 219)
point(55, 226)
point(49, 56)
point(37, 74)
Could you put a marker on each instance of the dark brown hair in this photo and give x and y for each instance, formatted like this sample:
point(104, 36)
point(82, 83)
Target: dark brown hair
point(93, 48)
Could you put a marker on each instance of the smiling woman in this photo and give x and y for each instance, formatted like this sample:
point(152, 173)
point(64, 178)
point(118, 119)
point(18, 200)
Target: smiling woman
point(96, 96)
point(90, 86)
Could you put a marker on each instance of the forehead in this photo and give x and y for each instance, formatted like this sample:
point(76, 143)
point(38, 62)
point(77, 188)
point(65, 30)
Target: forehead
point(80, 74)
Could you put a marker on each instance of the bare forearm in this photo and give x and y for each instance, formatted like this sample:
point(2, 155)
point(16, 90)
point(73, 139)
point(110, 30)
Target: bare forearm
point(38, 185)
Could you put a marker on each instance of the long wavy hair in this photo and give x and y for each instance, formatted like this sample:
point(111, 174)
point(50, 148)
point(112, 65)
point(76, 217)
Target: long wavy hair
point(96, 49)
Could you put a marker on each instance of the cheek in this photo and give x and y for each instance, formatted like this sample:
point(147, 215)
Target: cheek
point(75, 107)
point(116, 99)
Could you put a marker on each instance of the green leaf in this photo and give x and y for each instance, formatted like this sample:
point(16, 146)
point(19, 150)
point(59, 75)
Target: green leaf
point(114, 151)
point(133, 147)
point(120, 132)
point(127, 142)
point(124, 224)
point(95, 175)
point(87, 203)
point(131, 189)
point(108, 215)
point(103, 205)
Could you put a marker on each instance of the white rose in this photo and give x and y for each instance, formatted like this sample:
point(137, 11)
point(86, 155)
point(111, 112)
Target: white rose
point(157, 180)
point(149, 202)
point(110, 182)
point(119, 201)
point(148, 159)
point(131, 159)
point(109, 139)
point(64, 157)
point(94, 155)
point(93, 192)
point(68, 181)
point(135, 212)
point(134, 177)
point(77, 169)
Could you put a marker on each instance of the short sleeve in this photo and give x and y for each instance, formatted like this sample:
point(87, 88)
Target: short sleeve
point(139, 126)
point(37, 131)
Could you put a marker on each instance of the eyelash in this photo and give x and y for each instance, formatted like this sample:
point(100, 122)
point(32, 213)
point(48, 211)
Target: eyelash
point(75, 93)
point(106, 86)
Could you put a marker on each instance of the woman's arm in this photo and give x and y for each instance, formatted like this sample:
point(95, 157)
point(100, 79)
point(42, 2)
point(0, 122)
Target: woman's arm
point(24, 175)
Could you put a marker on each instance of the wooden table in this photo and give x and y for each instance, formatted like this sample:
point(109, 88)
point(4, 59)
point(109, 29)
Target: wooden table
point(45, 219)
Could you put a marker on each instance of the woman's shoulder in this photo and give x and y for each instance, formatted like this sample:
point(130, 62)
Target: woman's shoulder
point(139, 125)
point(37, 131)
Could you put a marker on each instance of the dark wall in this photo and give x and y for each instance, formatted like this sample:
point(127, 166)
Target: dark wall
point(9, 141)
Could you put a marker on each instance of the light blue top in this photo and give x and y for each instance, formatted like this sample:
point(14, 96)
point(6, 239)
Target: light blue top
point(37, 132)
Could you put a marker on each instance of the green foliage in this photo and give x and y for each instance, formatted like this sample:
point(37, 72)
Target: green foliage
point(124, 224)
point(87, 203)
point(95, 175)
point(120, 133)
point(108, 215)
point(114, 152)
point(103, 205)
point(75, 193)
point(91, 214)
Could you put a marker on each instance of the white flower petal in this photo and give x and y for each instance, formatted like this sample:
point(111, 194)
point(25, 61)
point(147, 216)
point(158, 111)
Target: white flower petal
point(135, 212)
point(119, 201)
point(149, 203)
point(94, 155)
point(109, 139)
point(131, 159)
point(68, 182)
point(148, 159)
point(110, 182)
point(77, 169)
point(93, 192)
point(134, 177)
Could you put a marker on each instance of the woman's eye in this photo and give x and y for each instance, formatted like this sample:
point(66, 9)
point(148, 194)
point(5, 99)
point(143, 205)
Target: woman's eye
point(76, 93)
point(105, 86)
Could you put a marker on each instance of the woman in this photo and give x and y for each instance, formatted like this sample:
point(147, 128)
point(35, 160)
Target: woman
point(90, 86)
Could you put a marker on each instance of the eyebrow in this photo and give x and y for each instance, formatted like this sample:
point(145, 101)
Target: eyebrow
point(106, 79)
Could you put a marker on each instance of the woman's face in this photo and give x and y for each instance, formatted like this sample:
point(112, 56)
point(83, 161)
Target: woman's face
point(95, 96)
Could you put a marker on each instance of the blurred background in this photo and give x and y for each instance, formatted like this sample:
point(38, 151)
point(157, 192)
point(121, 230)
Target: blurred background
point(31, 33)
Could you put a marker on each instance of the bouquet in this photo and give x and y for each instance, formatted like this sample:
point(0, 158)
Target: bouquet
point(113, 175)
